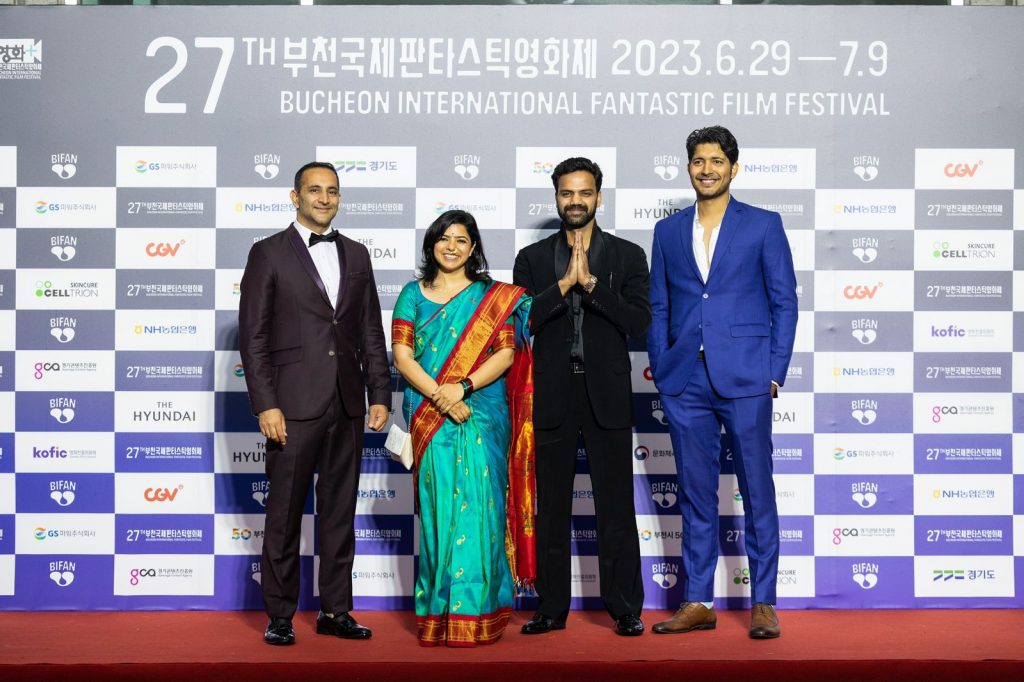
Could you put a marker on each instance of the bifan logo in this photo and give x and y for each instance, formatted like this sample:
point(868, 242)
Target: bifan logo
point(859, 291)
point(155, 250)
point(961, 170)
point(162, 494)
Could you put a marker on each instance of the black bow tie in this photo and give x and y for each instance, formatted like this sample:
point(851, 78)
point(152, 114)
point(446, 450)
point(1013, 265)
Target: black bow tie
point(315, 238)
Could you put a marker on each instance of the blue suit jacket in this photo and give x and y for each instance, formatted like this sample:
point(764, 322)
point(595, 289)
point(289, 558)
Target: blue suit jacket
point(745, 315)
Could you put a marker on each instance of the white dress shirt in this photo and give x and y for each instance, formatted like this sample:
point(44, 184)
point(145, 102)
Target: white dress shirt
point(703, 259)
point(325, 258)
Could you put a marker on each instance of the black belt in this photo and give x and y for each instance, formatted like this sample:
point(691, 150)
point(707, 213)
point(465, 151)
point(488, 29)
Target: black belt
point(577, 368)
point(700, 355)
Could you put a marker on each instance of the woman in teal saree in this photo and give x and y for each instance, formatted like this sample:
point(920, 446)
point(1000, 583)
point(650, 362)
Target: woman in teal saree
point(460, 340)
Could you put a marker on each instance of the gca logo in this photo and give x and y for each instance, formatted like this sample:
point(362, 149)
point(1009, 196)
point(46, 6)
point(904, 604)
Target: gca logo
point(839, 533)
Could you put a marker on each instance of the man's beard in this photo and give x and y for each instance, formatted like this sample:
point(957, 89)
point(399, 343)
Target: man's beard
point(572, 223)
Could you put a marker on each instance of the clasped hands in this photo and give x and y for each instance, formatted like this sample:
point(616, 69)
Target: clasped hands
point(448, 399)
point(578, 271)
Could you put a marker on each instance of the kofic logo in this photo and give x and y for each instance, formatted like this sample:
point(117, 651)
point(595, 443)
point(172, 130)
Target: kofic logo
point(162, 494)
point(63, 165)
point(865, 249)
point(865, 330)
point(864, 494)
point(665, 575)
point(62, 573)
point(466, 166)
point(864, 411)
point(666, 166)
point(267, 166)
point(641, 453)
point(866, 167)
point(865, 574)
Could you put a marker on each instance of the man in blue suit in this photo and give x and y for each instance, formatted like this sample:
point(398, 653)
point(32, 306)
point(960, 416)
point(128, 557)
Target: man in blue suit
point(724, 306)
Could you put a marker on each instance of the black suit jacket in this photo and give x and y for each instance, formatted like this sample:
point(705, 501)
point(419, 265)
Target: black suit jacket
point(296, 349)
point(618, 307)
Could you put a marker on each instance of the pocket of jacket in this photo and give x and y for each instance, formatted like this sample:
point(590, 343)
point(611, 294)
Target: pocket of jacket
point(285, 356)
point(755, 329)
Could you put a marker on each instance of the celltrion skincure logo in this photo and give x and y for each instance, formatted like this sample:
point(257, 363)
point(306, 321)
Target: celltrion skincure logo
point(466, 166)
point(64, 166)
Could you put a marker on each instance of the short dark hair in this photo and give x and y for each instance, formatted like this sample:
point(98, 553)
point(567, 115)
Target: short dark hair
point(311, 165)
point(476, 265)
point(574, 165)
point(713, 135)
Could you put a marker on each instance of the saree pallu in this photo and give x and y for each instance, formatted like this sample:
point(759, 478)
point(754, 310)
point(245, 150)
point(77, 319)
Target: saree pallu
point(475, 523)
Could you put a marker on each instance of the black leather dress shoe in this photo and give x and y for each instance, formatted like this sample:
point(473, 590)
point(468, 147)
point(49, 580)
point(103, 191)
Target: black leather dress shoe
point(540, 624)
point(279, 632)
point(341, 625)
point(629, 626)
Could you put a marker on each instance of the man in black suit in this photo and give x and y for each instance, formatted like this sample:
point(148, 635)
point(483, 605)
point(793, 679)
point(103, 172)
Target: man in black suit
point(312, 345)
point(590, 293)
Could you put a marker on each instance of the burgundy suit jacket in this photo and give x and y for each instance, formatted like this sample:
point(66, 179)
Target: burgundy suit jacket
point(296, 349)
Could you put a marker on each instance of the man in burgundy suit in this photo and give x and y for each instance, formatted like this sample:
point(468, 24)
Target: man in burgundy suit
point(313, 349)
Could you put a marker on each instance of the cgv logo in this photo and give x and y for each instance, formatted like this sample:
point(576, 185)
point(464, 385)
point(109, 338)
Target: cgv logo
point(860, 291)
point(162, 494)
point(163, 249)
point(961, 170)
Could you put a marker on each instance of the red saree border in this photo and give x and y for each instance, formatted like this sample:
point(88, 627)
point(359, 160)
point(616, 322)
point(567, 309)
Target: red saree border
point(462, 631)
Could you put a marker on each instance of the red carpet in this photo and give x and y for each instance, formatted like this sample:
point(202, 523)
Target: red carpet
point(976, 646)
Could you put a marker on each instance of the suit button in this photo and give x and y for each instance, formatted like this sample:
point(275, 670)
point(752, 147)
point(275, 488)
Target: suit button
point(334, 322)
point(704, 296)
point(330, 353)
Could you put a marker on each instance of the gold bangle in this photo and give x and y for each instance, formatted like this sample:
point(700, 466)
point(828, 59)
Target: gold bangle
point(591, 283)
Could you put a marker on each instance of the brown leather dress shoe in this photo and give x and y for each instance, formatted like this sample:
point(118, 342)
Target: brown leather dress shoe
point(764, 624)
point(692, 615)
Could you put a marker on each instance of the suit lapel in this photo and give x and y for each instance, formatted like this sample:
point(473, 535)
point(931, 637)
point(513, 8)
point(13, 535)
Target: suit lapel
point(686, 239)
point(562, 254)
point(598, 256)
point(302, 252)
point(342, 269)
point(730, 226)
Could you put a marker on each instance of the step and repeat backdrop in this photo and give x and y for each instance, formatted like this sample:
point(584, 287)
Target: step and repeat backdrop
point(142, 152)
